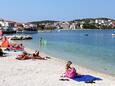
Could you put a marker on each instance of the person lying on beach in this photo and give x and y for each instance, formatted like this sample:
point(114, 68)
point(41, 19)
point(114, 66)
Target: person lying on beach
point(26, 56)
point(70, 71)
point(37, 56)
point(19, 46)
point(15, 46)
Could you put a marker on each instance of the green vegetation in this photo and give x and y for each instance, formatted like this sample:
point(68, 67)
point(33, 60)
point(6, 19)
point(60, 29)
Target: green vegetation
point(89, 26)
point(45, 21)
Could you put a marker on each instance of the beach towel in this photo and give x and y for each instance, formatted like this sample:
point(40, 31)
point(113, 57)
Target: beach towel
point(86, 78)
point(14, 49)
point(17, 49)
point(11, 54)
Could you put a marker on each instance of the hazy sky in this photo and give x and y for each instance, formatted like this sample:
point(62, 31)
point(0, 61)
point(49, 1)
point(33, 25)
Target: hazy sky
point(30, 10)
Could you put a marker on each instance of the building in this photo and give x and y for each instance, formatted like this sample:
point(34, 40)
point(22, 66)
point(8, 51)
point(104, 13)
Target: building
point(65, 25)
point(73, 26)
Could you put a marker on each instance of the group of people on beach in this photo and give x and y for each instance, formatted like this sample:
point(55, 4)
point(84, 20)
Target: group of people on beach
point(70, 72)
point(19, 47)
point(6, 45)
point(10, 46)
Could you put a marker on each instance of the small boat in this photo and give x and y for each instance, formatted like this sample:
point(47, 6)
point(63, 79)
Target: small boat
point(58, 30)
point(85, 34)
point(113, 34)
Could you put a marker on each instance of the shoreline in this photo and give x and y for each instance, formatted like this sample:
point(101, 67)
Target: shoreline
point(77, 66)
point(72, 29)
point(107, 80)
point(83, 70)
point(15, 72)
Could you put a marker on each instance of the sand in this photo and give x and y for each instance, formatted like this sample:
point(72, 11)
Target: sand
point(43, 73)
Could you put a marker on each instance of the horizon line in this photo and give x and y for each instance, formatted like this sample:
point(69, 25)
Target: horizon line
point(55, 19)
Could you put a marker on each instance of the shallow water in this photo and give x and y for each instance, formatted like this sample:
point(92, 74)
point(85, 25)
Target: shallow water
point(93, 49)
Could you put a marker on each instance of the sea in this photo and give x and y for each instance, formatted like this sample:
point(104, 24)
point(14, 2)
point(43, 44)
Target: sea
point(93, 49)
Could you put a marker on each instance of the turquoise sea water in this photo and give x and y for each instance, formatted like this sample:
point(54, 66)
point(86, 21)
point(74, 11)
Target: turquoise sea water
point(94, 49)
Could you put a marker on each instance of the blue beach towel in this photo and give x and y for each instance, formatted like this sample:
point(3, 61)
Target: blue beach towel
point(86, 78)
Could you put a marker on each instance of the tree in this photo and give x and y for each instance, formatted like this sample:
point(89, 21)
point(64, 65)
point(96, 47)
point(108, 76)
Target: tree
point(89, 26)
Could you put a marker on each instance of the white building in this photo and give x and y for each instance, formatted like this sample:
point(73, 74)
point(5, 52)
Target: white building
point(65, 25)
point(2, 23)
point(104, 22)
point(81, 26)
point(72, 26)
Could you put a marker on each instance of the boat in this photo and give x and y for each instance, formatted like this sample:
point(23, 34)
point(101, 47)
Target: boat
point(85, 34)
point(28, 31)
point(113, 34)
point(56, 30)
point(8, 30)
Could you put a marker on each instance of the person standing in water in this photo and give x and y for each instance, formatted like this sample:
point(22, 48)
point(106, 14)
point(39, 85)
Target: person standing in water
point(43, 43)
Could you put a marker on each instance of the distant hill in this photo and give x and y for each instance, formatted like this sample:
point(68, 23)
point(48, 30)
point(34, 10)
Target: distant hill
point(85, 19)
point(45, 21)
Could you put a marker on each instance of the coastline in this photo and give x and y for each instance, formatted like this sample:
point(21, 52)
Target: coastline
point(43, 72)
point(72, 29)
point(82, 70)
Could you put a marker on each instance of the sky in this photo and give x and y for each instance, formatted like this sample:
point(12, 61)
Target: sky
point(63, 10)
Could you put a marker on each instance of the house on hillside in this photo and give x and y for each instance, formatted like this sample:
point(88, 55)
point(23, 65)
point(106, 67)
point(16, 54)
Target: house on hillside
point(19, 26)
point(65, 25)
point(73, 26)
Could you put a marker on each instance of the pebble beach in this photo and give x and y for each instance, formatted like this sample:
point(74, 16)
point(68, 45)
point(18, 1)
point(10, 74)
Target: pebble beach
point(43, 72)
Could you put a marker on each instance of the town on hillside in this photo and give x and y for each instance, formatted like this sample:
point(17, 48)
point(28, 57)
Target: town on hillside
point(88, 23)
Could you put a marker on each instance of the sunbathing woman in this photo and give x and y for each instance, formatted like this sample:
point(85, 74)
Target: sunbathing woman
point(24, 56)
point(37, 56)
point(70, 72)
point(17, 47)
